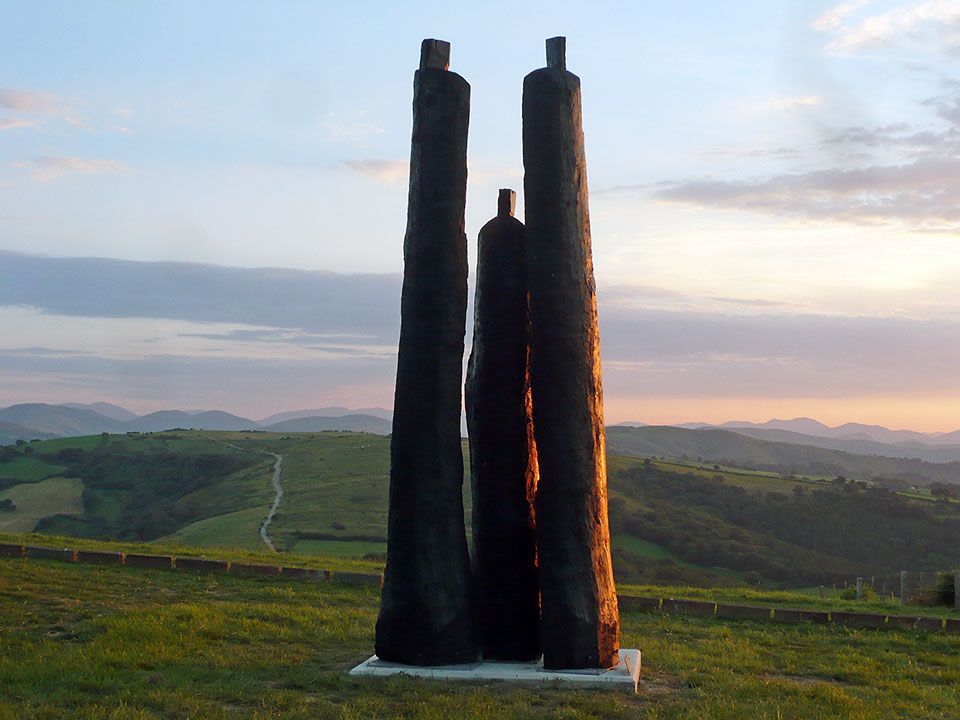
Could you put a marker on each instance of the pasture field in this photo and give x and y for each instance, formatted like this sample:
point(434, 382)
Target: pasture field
point(35, 500)
point(99, 642)
point(28, 469)
point(238, 529)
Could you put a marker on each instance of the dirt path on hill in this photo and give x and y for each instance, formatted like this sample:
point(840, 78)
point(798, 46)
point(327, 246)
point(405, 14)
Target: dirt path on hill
point(278, 496)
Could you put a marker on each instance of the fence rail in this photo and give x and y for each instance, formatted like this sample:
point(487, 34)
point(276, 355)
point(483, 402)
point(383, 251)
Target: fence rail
point(634, 603)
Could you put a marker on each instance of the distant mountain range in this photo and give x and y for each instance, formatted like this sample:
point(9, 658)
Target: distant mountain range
point(39, 420)
point(847, 431)
point(850, 437)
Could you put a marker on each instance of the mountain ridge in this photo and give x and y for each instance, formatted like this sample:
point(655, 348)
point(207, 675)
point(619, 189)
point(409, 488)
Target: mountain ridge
point(41, 420)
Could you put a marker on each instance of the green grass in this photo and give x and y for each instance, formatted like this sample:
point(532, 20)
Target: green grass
point(344, 548)
point(88, 642)
point(807, 598)
point(239, 529)
point(28, 469)
point(85, 442)
point(260, 554)
point(644, 548)
point(39, 499)
point(752, 480)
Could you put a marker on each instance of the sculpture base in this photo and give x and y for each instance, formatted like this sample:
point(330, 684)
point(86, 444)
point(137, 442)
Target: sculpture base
point(622, 677)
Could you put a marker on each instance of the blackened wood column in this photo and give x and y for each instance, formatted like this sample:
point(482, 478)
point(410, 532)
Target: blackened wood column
point(580, 625)
point(503, 460)
point(425, 614)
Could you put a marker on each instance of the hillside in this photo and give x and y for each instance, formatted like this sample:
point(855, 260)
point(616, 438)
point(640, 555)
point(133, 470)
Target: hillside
point(671, 523)
point(209, 420)
point(60, 420)
point(11, 432)
point(816, 533)
point(354, 423)
point(732, 448)
point(942, 453)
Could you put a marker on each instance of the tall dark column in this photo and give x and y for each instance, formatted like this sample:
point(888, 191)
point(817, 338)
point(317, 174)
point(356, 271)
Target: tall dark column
point(425, 614)
point(581, 625)
point(503, 459)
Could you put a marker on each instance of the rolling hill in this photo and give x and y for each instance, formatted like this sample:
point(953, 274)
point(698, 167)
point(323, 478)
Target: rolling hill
point(670, 523)
point(208, 420)
point(733, 448)
point(60, 420)
point(355, 423)
point(859, 445)
point(11, 432)
point(330, 412)
point(104, 408)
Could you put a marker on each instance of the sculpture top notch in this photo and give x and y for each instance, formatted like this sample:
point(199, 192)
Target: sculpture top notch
point(434, 55)
point(557, 53)
point(506, 203)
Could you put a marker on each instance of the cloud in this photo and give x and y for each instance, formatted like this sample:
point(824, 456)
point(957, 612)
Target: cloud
point(659, 352)
point(46, 168)
point(785, 104)
point(928, 26)
point(40, 105)
point(760, 352)
point(834, 17)
point(15, 123)
point(923, 194)
point(29, 101)
point(385, 171)
point(363, 307)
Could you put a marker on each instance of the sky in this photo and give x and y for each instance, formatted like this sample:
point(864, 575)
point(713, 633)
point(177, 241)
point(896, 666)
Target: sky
point(202, 205)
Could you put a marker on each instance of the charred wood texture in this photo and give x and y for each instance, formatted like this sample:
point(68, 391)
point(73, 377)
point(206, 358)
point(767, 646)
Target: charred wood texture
point(425, 611)
point(503, 461)
point(580, 625)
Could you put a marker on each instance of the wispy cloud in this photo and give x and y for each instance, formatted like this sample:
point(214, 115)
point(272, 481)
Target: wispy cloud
point(781, 104)
point(835, 16)
point(928, 26)
point(385, 171)
point(16, 123)
point(40, 105)
point(46, 168)
point(363, 307)
point(30, 101)
point(924, 194)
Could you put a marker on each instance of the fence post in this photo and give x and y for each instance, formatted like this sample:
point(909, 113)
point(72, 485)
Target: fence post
point(859, 588)
point(821, 592)
point(956, 590)
point(904, 595)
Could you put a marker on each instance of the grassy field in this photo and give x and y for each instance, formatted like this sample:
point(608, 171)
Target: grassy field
point(28, 469)
point(239, 529)
point(260, 554)
point(87, 642)
point(35, 500)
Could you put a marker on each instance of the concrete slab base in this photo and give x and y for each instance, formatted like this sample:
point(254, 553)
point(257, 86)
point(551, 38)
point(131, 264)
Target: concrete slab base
point(622, 677)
